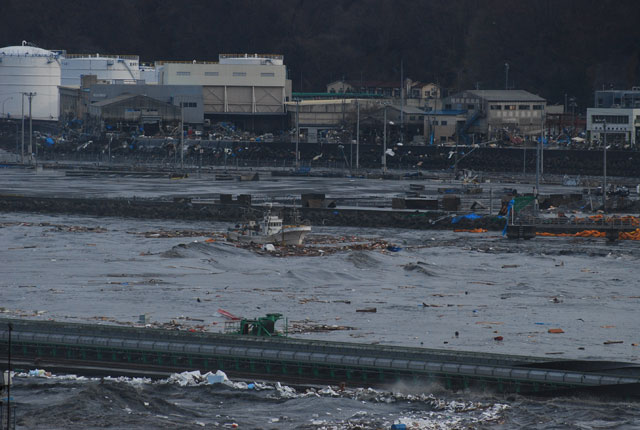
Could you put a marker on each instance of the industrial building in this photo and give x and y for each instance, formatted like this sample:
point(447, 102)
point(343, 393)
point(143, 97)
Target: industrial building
point(75, 103)
point(416, 93)
point(621, 125)
point(190, 96)
point(112, 68)
point(317, 117)
point(492, 114)
point(617, 98)
point(616, 114)
point(249, 90)
point(30, 70)
point(131, 110)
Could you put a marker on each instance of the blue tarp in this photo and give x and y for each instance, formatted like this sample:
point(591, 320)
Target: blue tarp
point(471, 216)
point(49, 141)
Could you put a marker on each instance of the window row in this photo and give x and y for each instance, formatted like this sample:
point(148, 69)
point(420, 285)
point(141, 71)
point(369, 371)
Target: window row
point(516, 107)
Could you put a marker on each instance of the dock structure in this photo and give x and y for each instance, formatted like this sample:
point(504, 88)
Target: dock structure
point(527, 227)
point(107, 349)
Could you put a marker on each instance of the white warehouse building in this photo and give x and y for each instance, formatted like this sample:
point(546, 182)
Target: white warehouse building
point(28, 69)
point(112, 68)
point(242, 88)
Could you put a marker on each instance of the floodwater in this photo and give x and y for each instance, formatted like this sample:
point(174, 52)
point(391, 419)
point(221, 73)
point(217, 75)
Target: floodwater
point(111, 270)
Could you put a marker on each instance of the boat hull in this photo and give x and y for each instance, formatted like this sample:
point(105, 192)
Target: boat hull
point(289, 235)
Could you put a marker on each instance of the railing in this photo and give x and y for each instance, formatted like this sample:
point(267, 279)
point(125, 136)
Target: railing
point(272, 56)
point(115, 57)
point(159, 63)
point(587, 222)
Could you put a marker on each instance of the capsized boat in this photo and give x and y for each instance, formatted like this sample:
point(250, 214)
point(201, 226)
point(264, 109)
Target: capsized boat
point(269, 230)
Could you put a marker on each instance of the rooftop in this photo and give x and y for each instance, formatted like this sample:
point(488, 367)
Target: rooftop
point(506, 95)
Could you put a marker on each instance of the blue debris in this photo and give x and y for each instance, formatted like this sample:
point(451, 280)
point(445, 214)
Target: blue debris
point(470, 216)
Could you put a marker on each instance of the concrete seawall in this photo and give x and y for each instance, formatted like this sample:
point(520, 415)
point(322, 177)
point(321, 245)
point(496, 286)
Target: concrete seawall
point(216, 212)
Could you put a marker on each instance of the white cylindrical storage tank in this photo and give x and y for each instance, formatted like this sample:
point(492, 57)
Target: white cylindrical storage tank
point(27, 69)
point(124, 68)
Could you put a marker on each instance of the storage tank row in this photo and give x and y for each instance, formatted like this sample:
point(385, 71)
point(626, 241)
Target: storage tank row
point(27, 69)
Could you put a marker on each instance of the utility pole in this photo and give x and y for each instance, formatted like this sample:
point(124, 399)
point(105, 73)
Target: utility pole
point(298, 132)
point(542, 146)
point(358, 134)
point(384, 142)
point(401, 101)
point(455, 162)
point(31, 96)
point(182, 136)
point(10, 326)
point(506, 76)
point(604, 166)
point(22, 150)
point(538, 161)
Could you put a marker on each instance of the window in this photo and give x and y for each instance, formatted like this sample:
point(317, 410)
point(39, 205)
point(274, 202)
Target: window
point(443, 139)
point(421, 117)
point(412, 118)
point(610, 119)
point(189, 104)
point(267, 74)
point(538, 107)
point(471, 107)
point(443, 122)
point(435, 122)
point(211, 73)
point(183, 73)
point(509, 107)
point(524, 107)
point(447, 107)
point(239, 74)
point(495, 107)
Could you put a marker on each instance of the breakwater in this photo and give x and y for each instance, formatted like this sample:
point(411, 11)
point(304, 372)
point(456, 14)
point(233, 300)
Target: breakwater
point(132, 350)
point(185, 208)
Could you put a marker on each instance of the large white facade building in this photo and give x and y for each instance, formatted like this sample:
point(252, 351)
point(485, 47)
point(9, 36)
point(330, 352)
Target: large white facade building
point(27, 69)
point(622, 124)
point(119, 68)
point(236, 85)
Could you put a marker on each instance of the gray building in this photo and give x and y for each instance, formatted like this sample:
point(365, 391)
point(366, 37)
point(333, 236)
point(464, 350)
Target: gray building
point(618, 98)
point(130, 109)
point(491, 113)
point(189, 95)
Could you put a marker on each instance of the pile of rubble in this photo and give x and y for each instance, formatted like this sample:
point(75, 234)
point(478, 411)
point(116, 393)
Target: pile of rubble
point(321, 246)
point(171, 234)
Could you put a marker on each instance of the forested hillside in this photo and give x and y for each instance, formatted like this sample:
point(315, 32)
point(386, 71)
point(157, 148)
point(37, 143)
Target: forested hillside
point(552, 47)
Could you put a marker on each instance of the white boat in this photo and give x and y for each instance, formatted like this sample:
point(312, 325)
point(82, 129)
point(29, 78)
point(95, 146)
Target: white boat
point(269, 230)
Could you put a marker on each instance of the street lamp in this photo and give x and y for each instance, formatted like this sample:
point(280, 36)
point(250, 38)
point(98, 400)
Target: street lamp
point(3, 102)
point(298, 132)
